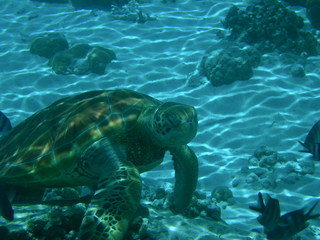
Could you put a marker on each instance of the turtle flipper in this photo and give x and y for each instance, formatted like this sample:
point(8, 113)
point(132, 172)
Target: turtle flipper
point(186, 175)
point(6, 210)
point(113, 205)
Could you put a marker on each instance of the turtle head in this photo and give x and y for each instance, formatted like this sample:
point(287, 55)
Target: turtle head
point(174, 124)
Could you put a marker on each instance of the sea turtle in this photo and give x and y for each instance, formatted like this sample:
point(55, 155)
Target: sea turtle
point(106, 139)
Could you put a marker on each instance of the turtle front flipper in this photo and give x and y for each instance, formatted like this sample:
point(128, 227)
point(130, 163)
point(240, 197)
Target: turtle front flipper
point(117, 195)
point(6, 210)
point(186, 175)
point(113, 205)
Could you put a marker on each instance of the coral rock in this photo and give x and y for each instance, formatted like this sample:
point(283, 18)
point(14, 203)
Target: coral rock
point(229, 65)
point(97, 4)
point(270, 26)
point(82, 59)
point(222, 193)
point(313, 13)
point(98, 59)
point(49, 45)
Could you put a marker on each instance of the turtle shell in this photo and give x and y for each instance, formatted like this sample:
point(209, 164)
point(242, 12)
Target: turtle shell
point(46, 147)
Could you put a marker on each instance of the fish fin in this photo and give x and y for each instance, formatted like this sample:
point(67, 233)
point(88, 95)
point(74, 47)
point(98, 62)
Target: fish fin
point(6, 210)
point(306, 150)
point(308, 214)
point(260, 204)
point(5, 124)
point(271, 214)
point(292, 222)
point(270, 211)
point(257, 230)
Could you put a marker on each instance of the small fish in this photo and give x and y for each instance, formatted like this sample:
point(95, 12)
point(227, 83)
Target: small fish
point(282, 227)
point(312, 141)
point(5, 124)
point(291, 223)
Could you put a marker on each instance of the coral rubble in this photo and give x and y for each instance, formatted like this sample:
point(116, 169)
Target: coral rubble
point(48, 45)
point(229, 65)
point(97, 4)
point(270, 26)
point(79, 59)
point(131, 12)
point(267, 169)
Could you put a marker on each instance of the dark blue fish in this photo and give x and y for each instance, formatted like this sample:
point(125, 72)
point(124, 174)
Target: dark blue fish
point(312, 141)
point(270, 212)
point(282, 227)
point(291, 223)
point(5, 124)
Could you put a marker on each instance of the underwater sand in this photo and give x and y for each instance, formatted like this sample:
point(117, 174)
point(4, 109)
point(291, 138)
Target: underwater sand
point(272, 108)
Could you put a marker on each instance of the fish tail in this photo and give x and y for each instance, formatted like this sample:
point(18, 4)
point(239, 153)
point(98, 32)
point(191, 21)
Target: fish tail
point(260, 206)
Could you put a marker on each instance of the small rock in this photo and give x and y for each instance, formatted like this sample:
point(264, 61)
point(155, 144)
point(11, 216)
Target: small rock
point(160, 193)
point(49, 45)
point(307, 167)
point(297, 70)
point(252, 178)
point(233, 63)
point(222, 194)
point(214, 212)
